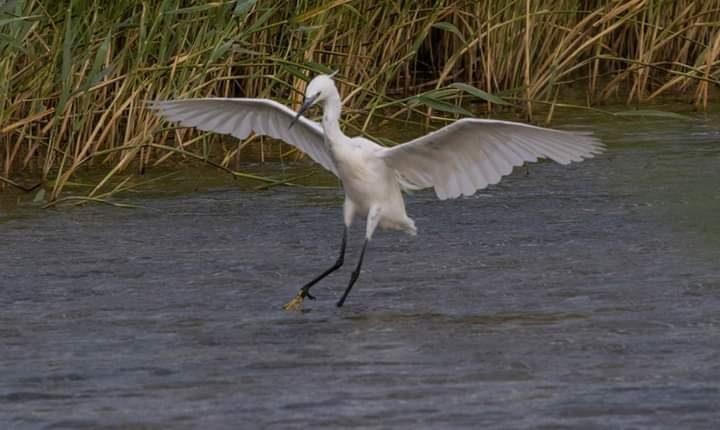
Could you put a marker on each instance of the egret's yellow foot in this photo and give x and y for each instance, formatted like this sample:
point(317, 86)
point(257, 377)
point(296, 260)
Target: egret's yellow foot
point(296, 303)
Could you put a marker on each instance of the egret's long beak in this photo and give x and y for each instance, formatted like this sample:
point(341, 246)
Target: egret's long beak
point(309, 101)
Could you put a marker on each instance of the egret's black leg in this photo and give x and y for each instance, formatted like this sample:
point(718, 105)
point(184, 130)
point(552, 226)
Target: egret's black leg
point(305, 290)
point(354, 276)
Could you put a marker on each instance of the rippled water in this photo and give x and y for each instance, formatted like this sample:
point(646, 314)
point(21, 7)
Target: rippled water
point(585, 296)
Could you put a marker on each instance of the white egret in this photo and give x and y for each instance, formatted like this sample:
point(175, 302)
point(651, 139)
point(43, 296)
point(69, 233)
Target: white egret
point(458, 159)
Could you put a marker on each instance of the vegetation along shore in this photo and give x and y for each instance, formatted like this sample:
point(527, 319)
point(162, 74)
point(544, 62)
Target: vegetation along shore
point(75, 75)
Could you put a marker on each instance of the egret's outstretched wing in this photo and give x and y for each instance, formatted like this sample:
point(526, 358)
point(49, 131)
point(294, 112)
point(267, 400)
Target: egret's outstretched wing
point(240, 117)
point(470, 154)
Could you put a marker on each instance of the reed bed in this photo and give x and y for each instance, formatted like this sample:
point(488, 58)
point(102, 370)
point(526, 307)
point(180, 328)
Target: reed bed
point(74, 75)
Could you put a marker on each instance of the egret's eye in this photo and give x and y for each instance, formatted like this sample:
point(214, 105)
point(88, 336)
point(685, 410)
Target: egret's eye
point(318, 94)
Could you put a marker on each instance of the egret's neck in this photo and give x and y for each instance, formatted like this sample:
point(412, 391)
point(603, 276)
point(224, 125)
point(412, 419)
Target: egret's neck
point(331, 117)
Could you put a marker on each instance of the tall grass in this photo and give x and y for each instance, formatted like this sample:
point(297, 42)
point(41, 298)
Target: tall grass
point(74, 74)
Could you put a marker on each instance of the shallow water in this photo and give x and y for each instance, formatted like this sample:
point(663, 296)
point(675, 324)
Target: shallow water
point(582, 296)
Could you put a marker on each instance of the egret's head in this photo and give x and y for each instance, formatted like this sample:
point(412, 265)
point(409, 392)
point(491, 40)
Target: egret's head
point(318, 90)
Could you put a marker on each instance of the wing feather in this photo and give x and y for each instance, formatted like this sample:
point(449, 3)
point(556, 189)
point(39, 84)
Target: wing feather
point(470, 154)
point(240, 117)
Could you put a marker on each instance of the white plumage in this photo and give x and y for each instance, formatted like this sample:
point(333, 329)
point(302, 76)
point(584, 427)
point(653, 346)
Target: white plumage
point(458, 159)
point(242, 117)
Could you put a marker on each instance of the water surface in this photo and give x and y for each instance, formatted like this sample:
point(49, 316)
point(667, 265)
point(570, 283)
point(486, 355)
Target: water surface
point(582, 296)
